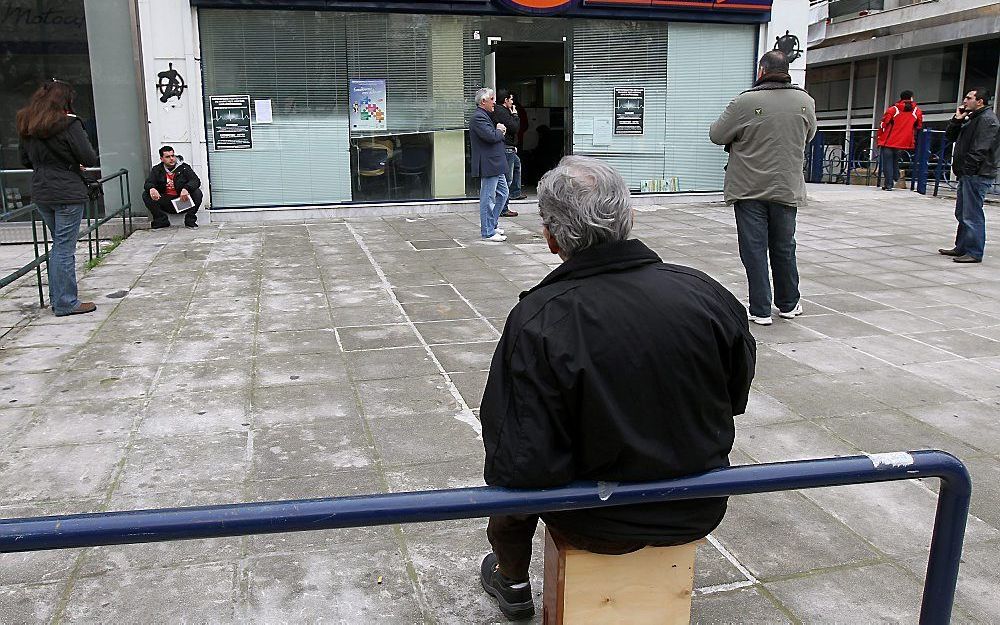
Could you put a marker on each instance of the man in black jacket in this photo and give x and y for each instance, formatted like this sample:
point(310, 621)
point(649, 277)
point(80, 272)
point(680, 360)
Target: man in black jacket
point(507, 115)
point(976, 133)
point(171, 181)
point(616, 367)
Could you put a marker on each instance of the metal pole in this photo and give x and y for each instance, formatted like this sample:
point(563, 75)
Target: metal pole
point(113, 528)
point(923, 156)
point(38, 267)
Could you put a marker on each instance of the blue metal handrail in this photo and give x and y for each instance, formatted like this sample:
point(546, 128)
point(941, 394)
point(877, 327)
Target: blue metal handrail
point(141, 526)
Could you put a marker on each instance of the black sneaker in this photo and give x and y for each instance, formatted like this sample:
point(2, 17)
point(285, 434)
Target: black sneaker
point(156, 226)
point(513, 597)
point(191, 225)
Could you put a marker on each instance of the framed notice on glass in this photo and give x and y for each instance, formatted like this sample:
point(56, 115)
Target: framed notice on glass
point(231, 122)
point(368, 105)
point(629, 102)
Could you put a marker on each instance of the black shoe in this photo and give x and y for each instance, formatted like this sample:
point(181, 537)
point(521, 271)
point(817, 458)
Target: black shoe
point(156, 226)
point(949, 251)
point(508, 213)
point(191, 225)
point(965, 258)
point(513, 597)
point(520, 197)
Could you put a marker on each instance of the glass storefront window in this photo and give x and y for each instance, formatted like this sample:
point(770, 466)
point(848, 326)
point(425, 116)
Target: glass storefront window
point(932, 76)
point(981, 65)
point(829, 86)
point(864, 84)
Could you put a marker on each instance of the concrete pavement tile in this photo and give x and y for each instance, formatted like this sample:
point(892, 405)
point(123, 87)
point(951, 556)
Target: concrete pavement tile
point(389, 364)
point(124, 354)
point(17, 361)
point(711, 568)
point(199, 322)
point(164, 555)
point(899, 388)
point(774, 365)
point(377, 337)
point(896, 517)
point(296, 369)
point(820, 395)
point(189, 349)
point(477, 291)
point(292, 302)
point(273, 405)
point(463, 331)
point(791, 535)
point(273, 321)
point(899, 350)
point(410, 440)
point(789, 441)
point(191, 377)
point(956, 317)
point(405, 396)
point(439, 311)
point(846, 302)
point(340, 583)
point(171, 594)
point(829, 356)
point(56, 473)
point(123, 328)
point(344, 296)
point(992, 332)
point(366, 315)
point(762, 409)
point(29, 603)
point(750, 604)
point(838, 326)
point(13, 423)
point(783, 332)
point(966, 377)
point(315, 448)
point(985, 489)
point(976, 423)
point(978, 583)
point(95, 383)
point(55, 335)
point(465, 356)
point(297, 342)
point(893, 430)
point(459, 472)
point(94, 421)
point(186, 463)
point(898, 321)
point(960, 342)
point(470, 385)
point(422, 294)
point(880, 593)
point(414, 278)
point(198, 412)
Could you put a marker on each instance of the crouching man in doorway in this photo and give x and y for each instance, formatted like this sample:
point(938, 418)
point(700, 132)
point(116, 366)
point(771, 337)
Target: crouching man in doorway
point(170, 181)
point(615, 367)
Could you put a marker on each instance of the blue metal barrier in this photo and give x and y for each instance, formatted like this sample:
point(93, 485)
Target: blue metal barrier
point(141, 526)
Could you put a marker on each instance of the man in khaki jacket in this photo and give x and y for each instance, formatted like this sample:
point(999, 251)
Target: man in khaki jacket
point(765, 130)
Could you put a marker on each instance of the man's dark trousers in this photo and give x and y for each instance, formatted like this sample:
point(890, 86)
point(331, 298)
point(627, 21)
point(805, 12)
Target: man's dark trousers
point(766, 228)
point(889, 158)
point(159, 209)
point(971, 235)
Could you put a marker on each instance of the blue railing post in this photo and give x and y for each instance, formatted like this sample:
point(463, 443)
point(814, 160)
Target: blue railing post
point(923, 157)
point(816, 161)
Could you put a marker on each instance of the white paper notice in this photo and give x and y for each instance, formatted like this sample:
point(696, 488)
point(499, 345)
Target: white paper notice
point(262, 111)
point(181, 205)
point(602, 131)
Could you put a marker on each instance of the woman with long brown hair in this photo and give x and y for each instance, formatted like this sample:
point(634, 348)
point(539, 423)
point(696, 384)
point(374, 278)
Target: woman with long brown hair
point(55, 145)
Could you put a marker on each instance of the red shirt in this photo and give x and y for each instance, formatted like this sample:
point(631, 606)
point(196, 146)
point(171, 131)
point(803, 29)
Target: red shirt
point(171, 190)
point(899, 125)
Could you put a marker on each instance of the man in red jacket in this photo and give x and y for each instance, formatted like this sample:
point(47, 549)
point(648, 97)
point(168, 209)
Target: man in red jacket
point(897, 132)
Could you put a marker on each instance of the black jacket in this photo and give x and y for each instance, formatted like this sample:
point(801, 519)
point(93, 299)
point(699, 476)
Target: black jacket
point(977, 144)
point(184, 178)
point(502, 115)
point(618, 367)
point(56, 160)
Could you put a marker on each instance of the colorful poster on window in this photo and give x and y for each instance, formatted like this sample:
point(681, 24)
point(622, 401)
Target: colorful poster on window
point(231, 122)
point(368, 105)
point(629, 103)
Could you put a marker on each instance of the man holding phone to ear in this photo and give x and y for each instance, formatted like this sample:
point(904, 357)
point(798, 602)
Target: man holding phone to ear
point(976, 133)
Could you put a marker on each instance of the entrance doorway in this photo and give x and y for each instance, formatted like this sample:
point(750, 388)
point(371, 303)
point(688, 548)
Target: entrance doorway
point(535, 73)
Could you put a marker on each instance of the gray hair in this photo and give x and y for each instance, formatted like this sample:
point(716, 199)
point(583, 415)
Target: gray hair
point(584, 202)
point(482, 94)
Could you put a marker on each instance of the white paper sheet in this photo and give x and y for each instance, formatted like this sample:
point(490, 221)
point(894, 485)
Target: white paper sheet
point(180, 205)
point(602, 131)
point(262, 111)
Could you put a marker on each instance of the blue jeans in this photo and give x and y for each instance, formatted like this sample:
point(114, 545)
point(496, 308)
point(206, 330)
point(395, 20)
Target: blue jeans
point(493, 195)
point(513, 175)
point(889, 159)
point(63, 222)
point(765, 228)
point(971, 236)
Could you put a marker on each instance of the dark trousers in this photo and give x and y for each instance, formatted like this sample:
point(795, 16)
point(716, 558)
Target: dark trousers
point(159, 209)
point(510, 536)
point(768, 229)
point(889, 159)
point(970, 238)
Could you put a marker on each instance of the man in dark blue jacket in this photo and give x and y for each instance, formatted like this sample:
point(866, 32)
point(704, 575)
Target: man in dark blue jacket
point(489, 164)
point(976, 133)
point(615, 367)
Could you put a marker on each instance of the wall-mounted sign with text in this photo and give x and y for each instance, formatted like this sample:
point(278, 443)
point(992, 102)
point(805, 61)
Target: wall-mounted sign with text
point(629, 103)
point(231, 122)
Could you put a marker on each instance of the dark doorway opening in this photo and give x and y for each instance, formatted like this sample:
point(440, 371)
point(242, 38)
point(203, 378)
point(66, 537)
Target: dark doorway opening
point(535, 73)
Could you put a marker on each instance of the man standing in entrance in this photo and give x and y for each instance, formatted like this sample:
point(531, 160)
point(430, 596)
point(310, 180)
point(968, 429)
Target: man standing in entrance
point(765, 130)
point(507, 115)
point(170, 181)
point(896, 133)
point(489, 164)
point(976, 134)
point(557, 407)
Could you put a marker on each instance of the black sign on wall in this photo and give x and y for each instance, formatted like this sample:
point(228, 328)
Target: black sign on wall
point(629, 102)
point(231, 122)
